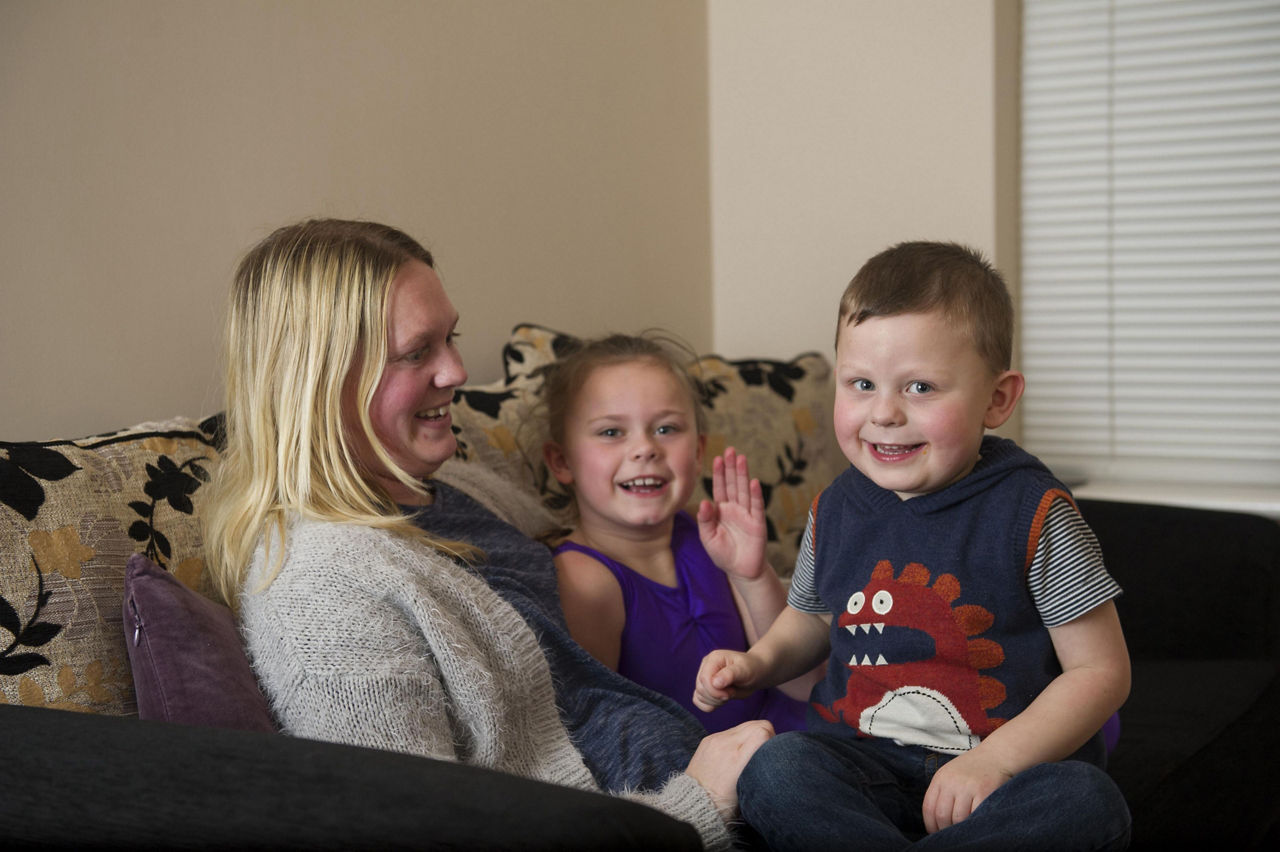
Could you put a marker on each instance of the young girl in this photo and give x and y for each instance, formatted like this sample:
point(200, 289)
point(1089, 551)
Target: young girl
point(646, 588)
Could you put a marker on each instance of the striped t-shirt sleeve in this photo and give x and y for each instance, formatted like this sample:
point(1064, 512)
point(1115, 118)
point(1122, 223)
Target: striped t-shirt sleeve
point(803, 594)
point(1067, 577)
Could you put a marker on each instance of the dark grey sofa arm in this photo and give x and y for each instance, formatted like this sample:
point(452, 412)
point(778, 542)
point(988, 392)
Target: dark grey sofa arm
point(1201, 615)
point(90, 781)
point(1198, 584)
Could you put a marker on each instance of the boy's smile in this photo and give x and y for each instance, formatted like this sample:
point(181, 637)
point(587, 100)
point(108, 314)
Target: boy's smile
point(890, 453)
point(913, 400)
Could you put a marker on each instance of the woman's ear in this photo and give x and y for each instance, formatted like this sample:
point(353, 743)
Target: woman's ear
point(553, 453)
point(1005, 394)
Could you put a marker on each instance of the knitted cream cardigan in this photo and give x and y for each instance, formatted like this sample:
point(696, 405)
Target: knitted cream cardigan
point(368, 639)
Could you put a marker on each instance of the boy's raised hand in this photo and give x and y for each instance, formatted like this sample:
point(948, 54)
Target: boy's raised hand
point(732, 524)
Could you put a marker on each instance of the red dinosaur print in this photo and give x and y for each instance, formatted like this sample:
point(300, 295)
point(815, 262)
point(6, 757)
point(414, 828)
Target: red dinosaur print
point(913, 668)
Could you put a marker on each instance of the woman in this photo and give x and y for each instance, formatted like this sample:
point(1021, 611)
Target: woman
point(385, 609)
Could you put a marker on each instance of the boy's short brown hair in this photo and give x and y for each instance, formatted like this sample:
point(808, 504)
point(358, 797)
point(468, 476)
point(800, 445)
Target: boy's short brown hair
point(921, 277)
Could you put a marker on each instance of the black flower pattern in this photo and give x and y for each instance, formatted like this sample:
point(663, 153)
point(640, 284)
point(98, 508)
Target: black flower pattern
point(463, 450)
point(709, 390)
point(32, 634)
point(513, 357)
point(792, 464)
point(486, 402)
point(21, 472)
point(170, 483)
point(778, 375)
point(215, 426)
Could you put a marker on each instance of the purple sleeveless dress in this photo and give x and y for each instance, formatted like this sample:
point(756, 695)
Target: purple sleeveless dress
point(669, 630)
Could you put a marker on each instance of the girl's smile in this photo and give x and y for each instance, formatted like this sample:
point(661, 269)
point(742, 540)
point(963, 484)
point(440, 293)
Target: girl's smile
point(644, 485)
point(631, 448)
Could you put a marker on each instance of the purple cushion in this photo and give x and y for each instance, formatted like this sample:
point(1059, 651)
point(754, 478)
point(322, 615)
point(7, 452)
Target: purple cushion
point(188, 663)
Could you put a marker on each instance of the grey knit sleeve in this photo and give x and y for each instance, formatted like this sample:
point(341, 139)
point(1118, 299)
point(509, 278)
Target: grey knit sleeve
point(339, 663)
point(685, 799)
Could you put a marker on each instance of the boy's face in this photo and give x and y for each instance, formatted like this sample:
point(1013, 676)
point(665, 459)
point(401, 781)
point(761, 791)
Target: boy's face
point(913, 399)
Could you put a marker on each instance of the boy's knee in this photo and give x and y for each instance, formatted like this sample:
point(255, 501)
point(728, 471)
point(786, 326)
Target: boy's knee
point(1097, 794)
point(1071, 788)
point(1083, 781)
point(779, 758)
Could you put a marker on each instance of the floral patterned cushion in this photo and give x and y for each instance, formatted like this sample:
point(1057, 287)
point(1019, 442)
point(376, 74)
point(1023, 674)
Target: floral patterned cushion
point(71, 515)
point(776, 412)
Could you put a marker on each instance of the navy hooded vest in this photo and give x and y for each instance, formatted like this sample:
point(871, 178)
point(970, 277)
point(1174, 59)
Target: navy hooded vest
point(935, 640)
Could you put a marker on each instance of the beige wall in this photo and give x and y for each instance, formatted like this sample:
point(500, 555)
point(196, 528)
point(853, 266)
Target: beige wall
point(837, 129)
point(552, 154)
point(588, 165)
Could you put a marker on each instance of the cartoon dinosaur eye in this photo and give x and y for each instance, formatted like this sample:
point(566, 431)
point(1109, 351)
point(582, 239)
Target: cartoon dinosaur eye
point(856, 600)
point(882, 602)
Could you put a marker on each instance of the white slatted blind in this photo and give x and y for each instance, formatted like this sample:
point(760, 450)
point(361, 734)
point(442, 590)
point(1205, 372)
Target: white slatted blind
point(1151, 238)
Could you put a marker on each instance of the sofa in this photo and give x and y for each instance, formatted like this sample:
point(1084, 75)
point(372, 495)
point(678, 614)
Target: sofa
point(130, 715)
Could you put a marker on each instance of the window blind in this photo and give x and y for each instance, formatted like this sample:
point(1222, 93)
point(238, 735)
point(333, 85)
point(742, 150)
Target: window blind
point(1150, 296)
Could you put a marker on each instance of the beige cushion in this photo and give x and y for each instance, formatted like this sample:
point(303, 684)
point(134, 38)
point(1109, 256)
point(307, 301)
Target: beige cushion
point(71, 515)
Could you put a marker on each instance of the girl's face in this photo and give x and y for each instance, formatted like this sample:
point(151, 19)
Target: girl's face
point(631, 448)
point(410, 407)
point(913, 399)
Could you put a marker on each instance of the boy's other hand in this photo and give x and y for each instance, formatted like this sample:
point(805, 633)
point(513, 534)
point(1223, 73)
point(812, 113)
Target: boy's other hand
point(959, 787)
point(723, 675)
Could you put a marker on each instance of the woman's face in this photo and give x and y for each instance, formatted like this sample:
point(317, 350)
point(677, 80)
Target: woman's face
point(410, 407)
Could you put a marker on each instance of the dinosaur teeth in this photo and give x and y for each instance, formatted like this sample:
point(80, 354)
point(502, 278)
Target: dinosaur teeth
point(866, 629)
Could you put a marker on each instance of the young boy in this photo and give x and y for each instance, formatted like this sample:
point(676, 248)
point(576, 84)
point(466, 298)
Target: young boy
point(962, 602)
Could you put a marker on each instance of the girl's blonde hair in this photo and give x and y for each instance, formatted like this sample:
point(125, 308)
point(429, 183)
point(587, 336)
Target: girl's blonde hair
point(307, 318)
point(565, 377)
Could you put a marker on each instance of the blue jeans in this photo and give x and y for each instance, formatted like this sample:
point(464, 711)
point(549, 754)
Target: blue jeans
point(808, 791)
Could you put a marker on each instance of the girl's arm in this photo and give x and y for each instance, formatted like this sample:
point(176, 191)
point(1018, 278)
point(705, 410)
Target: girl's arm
point(593, 605)
point(1072, 708)
point(732, 527)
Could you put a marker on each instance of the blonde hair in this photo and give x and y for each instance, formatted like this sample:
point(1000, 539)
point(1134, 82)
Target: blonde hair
point(307, 316)
point(565, 377)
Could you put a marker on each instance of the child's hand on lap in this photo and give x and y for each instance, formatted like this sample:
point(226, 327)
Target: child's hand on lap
point(732, 524)
point(959, 787)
